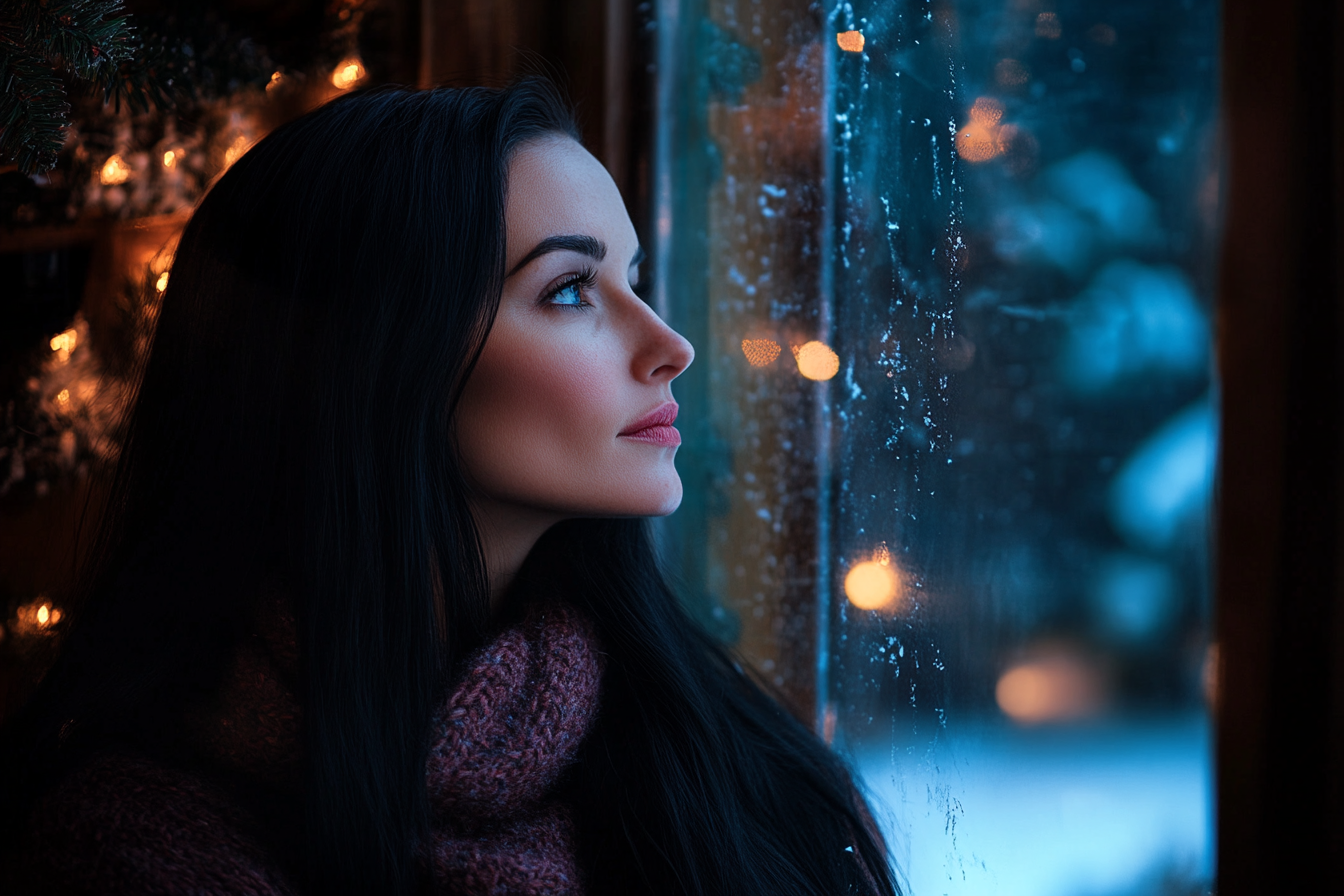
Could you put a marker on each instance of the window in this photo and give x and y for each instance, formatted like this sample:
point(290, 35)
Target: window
point(951, 432)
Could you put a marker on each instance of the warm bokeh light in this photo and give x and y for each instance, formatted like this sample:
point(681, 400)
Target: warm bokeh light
point(985, 137)
point(115, 171)
point(987, 111)
point(760, 352)
point(348, 73)
point(816, 361)
point(169, 159)
point(276, 80)
point(1055, 688)
point(871, 585)
point(1011, 73)
point(65, 342)
point(236, 149)
point(33, 617)
point(1048, 27)
point(850, 41)
point(977, 143)
point(162, 283)
point(63, 397)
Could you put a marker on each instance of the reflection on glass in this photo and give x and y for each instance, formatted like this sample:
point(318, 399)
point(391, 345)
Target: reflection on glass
point(986, 235)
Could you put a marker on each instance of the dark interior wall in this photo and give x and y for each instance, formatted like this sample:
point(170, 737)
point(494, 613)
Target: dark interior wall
point(597, 50)
point(1280, 614)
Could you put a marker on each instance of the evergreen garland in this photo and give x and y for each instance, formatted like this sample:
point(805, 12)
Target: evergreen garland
point(43, 42)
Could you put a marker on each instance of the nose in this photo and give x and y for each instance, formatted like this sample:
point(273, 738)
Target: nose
point(662, 352)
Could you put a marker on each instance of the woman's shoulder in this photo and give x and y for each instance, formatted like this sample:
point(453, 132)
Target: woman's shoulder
point(123, 823)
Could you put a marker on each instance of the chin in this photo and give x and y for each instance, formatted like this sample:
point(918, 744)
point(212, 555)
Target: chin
point(669, 505)
point(659, 501)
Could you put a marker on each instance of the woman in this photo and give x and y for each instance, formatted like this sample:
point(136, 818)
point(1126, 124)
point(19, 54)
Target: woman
point(373, 610)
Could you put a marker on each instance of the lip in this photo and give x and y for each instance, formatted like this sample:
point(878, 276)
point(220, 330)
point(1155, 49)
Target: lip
point(655, 427)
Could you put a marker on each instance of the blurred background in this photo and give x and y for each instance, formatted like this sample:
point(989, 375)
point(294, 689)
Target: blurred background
point(994, 302)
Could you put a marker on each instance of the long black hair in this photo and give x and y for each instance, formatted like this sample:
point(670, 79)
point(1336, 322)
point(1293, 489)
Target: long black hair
point(327, 303)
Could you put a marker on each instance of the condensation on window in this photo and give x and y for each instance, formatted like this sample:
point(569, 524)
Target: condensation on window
point(950, 434)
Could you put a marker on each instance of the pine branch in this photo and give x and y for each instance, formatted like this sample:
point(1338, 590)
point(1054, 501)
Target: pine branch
point(90, 40)
point(34, 112)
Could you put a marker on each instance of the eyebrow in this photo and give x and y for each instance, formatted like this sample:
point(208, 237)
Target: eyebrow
point(572, 242)
point(584, 245)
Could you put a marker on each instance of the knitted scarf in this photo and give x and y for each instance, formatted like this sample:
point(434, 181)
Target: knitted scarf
point(123, 824)
point(501, 741)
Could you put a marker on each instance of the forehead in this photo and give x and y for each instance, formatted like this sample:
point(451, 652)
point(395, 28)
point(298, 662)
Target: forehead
point(558, 187)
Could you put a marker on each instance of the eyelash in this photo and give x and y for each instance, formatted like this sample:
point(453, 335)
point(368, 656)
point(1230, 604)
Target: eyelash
point(584, 280)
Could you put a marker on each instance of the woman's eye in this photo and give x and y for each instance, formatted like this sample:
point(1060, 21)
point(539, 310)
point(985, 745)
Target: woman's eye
point(572, 292)
point(569, 294)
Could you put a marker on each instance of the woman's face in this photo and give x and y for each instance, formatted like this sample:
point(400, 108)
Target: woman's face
point(568, 411)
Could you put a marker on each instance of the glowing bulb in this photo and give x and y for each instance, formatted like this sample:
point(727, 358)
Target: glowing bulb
point(115, 171)
point(169, 159)
point(63, 397)
point(816, 361)
point(348, 73)
point(43, 615)
point(871, 585)
point(276, 80)
point(760, 352)
point(162, 282)
point(64, 342)
point(850, 41)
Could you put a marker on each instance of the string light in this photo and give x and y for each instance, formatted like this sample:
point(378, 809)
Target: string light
point(760, 352)
point(874, 583)
point(816, 361)
point(348, 73)
point(850, 41)
point(115, 171)
point(36, 616)
point(985, 137)
point(65, 342)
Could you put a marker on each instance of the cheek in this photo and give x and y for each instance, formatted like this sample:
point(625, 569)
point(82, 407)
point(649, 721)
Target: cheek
point(538, 417)
point(553, 393)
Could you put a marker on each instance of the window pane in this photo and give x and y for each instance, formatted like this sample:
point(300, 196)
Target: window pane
point(950, 436)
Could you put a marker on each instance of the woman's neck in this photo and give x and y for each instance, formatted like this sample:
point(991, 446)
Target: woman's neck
point(508, 532)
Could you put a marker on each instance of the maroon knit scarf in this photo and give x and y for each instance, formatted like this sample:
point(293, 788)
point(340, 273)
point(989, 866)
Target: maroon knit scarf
point(500, 743)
